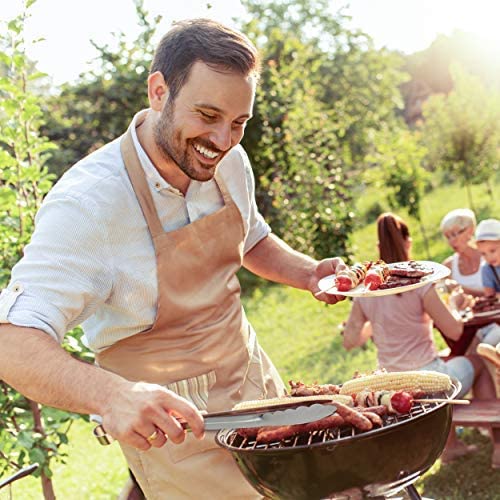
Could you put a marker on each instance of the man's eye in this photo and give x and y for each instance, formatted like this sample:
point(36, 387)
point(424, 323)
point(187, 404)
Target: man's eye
point(207, 116)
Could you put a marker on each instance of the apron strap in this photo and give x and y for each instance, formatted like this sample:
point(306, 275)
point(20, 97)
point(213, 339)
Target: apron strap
point(140, 185)
point(228, 200)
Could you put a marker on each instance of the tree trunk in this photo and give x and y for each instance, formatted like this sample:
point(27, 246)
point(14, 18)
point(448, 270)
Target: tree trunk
point(469, 196)
point(426, 241)
point(47, 487)
point(489, 188)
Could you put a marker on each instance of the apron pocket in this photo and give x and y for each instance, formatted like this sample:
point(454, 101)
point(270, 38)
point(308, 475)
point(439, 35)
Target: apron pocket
point(195, 389)
point(191, 446)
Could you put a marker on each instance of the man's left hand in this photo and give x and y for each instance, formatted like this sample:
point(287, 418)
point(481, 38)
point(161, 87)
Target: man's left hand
point(326, 267)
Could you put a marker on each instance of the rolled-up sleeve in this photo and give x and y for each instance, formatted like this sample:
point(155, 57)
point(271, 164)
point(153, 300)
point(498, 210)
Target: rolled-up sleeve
point(65, 272)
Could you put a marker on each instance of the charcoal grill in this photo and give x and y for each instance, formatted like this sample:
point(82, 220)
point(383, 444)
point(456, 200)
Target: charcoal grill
point(317, 465)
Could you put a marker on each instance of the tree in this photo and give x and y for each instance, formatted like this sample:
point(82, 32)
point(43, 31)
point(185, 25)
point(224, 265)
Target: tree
point(28, 432)
point(462, 130)
point(99, 108)
point(323, 92)
point(397, 166)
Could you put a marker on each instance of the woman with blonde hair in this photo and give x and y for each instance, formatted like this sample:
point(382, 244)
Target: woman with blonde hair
point(458, 228)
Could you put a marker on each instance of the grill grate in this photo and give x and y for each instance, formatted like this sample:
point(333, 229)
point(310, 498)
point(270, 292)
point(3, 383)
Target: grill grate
point(235, 441)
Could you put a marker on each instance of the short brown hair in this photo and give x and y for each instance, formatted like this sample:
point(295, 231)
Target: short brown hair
point(202, 40)
point(392, 234)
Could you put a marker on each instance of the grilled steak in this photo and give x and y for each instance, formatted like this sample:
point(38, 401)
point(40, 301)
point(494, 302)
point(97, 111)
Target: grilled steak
point(410, 269)
point(484, 304)
point(395, 281)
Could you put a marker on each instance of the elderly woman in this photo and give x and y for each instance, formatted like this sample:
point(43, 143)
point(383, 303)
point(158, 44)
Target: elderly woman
point(458, 228)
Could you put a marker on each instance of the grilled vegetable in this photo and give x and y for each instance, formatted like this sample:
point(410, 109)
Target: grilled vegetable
point(412, 381)
point(401, 402)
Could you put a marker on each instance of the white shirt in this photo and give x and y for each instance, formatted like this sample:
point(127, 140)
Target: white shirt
point(474, 280)
point(91, 260)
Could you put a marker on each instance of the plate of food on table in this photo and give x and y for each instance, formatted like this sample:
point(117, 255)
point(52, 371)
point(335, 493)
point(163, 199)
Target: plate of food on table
point(486, 306)
point(376, 278)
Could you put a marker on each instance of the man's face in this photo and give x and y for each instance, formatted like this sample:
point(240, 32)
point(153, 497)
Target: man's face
point(490, 250)
point(206, 119)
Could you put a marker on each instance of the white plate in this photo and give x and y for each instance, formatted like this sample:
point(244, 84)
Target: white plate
point(439, 272)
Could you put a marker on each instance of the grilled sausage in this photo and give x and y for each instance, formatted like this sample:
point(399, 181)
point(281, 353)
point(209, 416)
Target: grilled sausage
point(373, 418)
point(380, 410)
point(271, 434)
point(353, 417)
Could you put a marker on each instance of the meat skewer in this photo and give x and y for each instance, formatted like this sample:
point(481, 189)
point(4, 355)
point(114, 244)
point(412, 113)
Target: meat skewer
point(376, 275)
point(352, 276)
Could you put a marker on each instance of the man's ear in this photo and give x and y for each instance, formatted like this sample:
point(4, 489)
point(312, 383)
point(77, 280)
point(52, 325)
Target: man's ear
point(157, 91)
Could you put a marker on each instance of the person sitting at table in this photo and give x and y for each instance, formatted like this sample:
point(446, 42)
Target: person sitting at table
point(487, 238)
point(458, 228)
point(401, 326)
point(488, 243)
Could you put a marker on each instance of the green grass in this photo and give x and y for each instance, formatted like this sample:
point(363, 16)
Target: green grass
point(301, 335)
point(92, 471)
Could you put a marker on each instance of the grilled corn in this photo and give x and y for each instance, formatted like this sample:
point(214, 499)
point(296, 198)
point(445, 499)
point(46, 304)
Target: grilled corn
point(425, 381)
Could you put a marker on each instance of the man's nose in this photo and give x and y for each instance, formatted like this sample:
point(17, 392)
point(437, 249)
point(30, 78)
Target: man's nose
point(222, 137)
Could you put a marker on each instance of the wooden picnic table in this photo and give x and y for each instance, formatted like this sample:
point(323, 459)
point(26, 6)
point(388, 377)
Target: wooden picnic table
point(480, 413)
point(471, 326)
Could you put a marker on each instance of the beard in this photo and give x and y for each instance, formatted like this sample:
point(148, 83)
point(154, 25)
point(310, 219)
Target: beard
point(171, 146)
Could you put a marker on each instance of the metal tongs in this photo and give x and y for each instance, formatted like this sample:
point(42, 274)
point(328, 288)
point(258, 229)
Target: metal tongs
point(276, 415)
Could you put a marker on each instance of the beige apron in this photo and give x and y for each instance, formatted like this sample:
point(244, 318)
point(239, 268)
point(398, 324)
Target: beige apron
point(201, 345)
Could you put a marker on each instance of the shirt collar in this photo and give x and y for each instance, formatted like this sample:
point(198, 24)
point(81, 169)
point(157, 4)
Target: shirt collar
point(152, 174)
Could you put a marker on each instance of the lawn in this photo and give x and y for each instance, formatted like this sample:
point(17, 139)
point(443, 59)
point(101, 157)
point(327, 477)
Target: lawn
point(302, 337)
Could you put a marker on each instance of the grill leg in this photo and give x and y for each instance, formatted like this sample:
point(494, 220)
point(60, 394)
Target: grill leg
point(412, 492)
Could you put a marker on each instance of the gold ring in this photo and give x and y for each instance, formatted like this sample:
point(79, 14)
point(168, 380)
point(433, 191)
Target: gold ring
point(152, 437)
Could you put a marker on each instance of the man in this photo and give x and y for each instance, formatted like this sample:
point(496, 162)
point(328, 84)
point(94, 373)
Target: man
point(140, 242)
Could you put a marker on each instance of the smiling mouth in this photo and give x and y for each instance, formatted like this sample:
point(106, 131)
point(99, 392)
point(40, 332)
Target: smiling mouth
point(205, 152)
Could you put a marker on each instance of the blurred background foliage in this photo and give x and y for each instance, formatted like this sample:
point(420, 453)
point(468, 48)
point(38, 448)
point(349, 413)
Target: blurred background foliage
point(329, 108)
point(342, 131)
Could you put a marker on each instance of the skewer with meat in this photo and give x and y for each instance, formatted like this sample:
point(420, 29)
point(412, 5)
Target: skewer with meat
point(376, 275)
point(300, 389)
point(394, 401)
point(351, 276)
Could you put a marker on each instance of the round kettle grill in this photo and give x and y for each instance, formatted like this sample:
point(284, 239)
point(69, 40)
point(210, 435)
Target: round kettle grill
point(320, 464)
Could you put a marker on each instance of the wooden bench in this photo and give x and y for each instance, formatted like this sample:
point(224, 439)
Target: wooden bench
point(485, 413)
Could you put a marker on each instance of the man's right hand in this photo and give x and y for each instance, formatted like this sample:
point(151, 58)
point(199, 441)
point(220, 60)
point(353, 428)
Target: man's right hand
point(131, 411)
point(144, 415)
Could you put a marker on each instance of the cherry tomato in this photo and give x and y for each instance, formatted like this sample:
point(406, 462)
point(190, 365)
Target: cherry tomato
point(402, 401)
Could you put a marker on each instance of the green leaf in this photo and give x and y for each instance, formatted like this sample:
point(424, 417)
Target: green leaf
point(37, 455)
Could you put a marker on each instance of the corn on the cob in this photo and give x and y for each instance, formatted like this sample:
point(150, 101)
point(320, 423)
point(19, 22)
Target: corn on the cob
point(261, 403)
point(426, 381)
